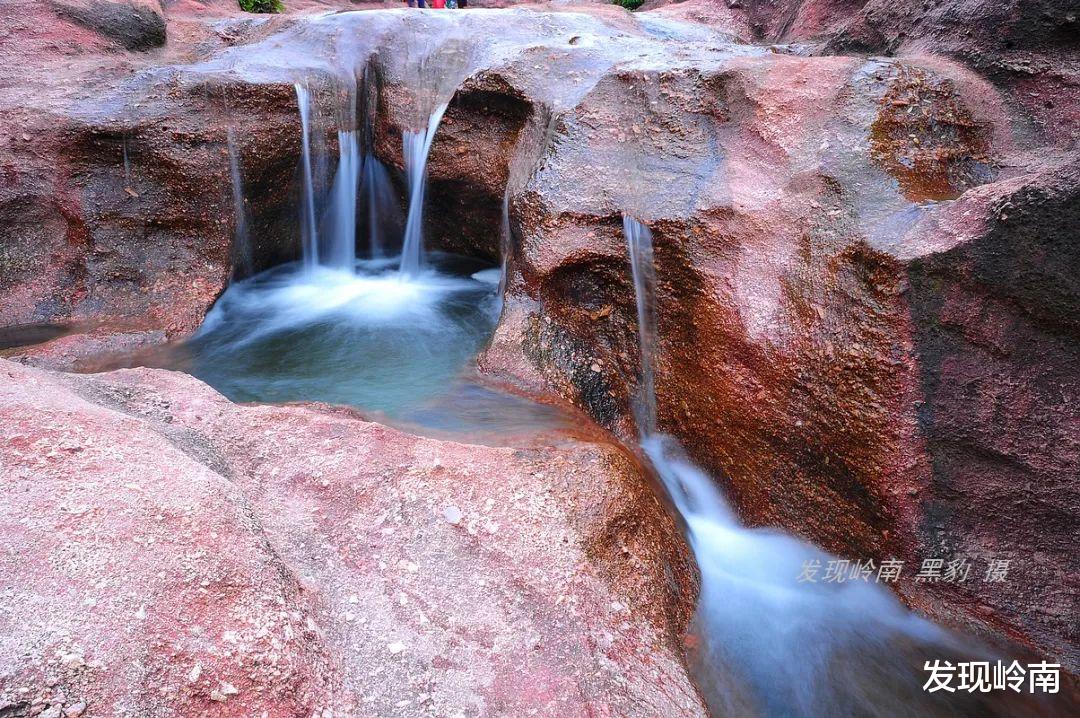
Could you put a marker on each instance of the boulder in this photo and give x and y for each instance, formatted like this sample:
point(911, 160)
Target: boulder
point(166, 552)
point(132, 24)
point(796, 206)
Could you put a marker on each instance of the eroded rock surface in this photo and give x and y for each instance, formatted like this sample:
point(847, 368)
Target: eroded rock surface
point(166, 552)
point(797, 205)
point(866, 281)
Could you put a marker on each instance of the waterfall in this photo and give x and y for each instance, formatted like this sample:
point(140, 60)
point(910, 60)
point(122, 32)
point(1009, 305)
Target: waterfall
point(771, 645)
point(505, 244)
point(309, 228)
point(241, 240)
point(416, 146)
point(341, 252)
point(381, 206)
point(639, 244)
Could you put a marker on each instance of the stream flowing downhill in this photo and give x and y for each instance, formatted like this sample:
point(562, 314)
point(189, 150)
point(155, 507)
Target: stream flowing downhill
point(368, 318)
point(770, 644)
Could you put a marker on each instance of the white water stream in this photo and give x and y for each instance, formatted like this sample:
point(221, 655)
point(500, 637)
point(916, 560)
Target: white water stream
point(241, 240)
point(341, 237)
point(773, 645)
point(309, 226)
point(417, 147)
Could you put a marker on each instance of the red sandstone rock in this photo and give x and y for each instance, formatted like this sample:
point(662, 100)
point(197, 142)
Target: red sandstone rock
point(801, 339)
point(166, 552)
point(1028, 48)
point(877, 357)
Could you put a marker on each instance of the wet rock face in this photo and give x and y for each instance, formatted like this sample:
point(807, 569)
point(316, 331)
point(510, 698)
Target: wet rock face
point(139, 216)
point(1027, 47)
point(787, 198)
point(193, 570)
point(996, 338)
point(127, 215)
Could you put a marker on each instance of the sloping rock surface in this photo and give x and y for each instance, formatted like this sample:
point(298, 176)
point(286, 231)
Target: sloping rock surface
point(164, 552)
point(867, 288)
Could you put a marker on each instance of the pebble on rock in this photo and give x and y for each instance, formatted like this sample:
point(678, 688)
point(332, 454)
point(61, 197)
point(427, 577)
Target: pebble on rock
point(453, 514)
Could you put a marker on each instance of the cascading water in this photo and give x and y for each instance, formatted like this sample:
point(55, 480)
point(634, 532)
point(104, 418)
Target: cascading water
point(309, 226)
point(360, 175)
point(241, 240)
point(505, 243)
point(417, 146)
point(341, 251)
point(344, 330)
point(773, 646)
point(380, 205)
point(639, 244)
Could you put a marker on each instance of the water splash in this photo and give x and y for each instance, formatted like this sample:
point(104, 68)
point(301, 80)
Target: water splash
point(341, 250)
point(417, 146)
point(309, 227)
point(772, 645)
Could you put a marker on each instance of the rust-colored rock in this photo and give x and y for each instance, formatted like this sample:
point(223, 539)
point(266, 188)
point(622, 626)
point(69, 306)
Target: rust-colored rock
point(793, 323)
point(866, 283)
point(166, 552)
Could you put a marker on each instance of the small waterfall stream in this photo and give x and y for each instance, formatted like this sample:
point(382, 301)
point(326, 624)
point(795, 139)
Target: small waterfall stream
point(309, 226)
point(642, 268)
point(773, 646)
point(390, 335)
point(381, 208)
point(417, 146)
point(341, 252)
point(360, 175)
point(241, 241)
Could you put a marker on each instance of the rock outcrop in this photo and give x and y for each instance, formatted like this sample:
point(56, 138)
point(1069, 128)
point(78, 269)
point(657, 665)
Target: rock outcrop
point(849, 308)
point(132, 24)
point(866, 285)
point(166, 552)
point(1027, 47)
